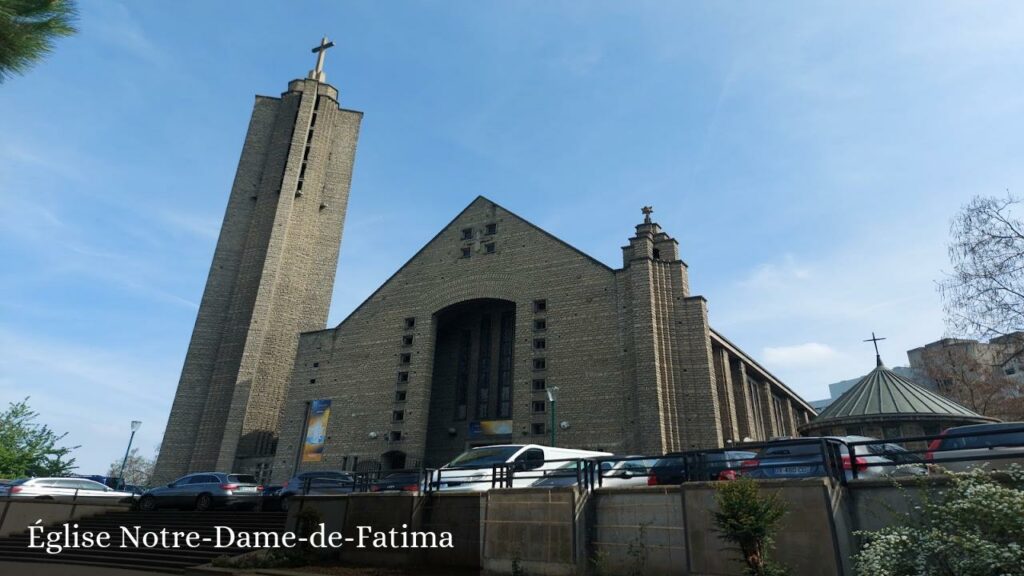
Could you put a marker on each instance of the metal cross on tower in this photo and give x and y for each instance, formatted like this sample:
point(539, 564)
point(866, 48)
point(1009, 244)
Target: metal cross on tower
point(875, 340)
point(647, 210)
point(318, 72)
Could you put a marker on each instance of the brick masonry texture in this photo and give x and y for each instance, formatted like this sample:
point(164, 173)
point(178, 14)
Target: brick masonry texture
point(271, 278)
point(630, 350)
point(637, 365)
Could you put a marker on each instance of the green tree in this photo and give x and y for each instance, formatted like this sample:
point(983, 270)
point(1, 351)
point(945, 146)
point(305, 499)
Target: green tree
point(28, 29)
point(137, 469)
point(749, 519)
point(31, 449)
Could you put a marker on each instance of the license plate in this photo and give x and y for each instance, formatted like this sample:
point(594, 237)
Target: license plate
point(794, 470)
point(246, 489)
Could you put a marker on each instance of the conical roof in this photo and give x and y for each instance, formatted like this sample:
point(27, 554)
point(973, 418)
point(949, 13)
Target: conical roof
point(883, 392)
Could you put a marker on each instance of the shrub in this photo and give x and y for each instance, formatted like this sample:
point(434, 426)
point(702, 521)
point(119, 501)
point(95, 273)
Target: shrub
point(975, 527)
point(749, 519)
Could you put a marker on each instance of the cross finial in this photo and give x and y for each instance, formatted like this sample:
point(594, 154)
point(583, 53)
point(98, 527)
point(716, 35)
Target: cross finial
point(318, 72)
point(647, 213)
point(875, 340)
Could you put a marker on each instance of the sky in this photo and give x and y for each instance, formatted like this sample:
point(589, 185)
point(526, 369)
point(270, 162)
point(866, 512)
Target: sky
point(808, 157)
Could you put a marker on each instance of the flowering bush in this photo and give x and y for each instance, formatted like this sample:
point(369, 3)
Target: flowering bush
point(975, 527)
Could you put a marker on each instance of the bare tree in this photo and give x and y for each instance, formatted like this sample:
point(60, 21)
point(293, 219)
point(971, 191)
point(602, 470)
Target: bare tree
point(984, 295)
point(974, 377)
point(137, 470)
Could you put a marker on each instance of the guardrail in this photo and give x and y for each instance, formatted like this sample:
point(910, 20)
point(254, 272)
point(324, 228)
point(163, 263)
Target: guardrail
point(839, 458)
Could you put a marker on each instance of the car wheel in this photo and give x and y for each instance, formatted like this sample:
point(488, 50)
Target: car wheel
point(147, 504)
point(284, 503)
point(204, 502)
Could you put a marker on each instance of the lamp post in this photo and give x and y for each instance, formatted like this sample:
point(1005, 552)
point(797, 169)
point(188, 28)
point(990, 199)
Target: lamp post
point(554, 405)
point(135, 427)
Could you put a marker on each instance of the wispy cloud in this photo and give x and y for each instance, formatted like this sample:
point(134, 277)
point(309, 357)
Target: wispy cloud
point(799, 355)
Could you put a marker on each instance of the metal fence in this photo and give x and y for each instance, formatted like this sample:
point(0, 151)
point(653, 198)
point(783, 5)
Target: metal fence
point(842, 459)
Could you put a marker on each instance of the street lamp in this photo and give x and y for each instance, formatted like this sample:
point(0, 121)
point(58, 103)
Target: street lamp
point(135, 428)
point(554, 404)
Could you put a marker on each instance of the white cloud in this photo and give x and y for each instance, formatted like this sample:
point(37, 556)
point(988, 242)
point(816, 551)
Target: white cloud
point(808, 354)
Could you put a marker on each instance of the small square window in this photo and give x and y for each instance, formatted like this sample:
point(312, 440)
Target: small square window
point(467, 233)
point(537, 427)
point(312, 380)
point(539, 343)
point(410, 323)
point(398, 415)
point(489, 248)
point(395, 436)
point(403, 377)
point(539, 384)
point(540, 305)
point(540, 324)
point(539, 364)
point(316, 364)
point(400, 396)
point(492, 228)
point(466, 252)
point(405, 358)
point(407, 340)
point(539, 406)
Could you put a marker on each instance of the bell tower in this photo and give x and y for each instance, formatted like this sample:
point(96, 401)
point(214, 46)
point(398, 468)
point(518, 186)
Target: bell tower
point(271, 279)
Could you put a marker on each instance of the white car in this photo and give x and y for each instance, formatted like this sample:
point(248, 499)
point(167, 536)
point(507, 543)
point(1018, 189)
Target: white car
point(473, 470)
point(63, 490)
point(614, 474)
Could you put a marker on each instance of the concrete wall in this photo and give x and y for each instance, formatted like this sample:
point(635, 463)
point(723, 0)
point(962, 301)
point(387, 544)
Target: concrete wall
point(16, 514)
point(531, 530)
point(638, 527)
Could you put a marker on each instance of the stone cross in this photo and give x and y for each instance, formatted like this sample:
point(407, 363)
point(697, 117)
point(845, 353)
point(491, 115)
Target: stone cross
point(647, 214)
point(875, 340)
point(318, 72)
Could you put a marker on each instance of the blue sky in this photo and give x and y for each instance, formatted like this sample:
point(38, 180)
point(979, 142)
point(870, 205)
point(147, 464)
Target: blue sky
point(807, 156)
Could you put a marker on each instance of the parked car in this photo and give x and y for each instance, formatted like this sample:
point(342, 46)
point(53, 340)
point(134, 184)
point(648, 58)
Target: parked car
point(316, 483)
point(679, 467)
point(614, 474)
point(63, 490)
point(400, 481)
point(204, 491)
point(798, 459)
point(962, 448)
point(473, 469)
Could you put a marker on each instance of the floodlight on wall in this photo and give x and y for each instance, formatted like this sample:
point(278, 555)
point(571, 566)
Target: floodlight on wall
point(373, 435)
point(564, 425)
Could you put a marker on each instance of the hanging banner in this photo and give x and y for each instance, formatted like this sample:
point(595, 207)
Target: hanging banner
point(316, 430)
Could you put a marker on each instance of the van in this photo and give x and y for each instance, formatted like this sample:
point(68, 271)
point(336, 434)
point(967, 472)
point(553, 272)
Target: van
point(473, 470)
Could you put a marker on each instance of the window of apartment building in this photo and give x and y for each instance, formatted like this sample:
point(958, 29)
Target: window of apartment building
point(395, 435)
point(539, 364)
point(489, 248)
point(467, 233)
point(398, 415)
point(405, 358)
point(540, 305)
point(403, 377)
point(539, 406)
point(407, 340)
point(537, 428)
point(410, 323)
point(316, 364)
point(540, 343)
point(466, 252)
point(400, 396)
point(540, 324)
point(491, 229)
point(539, 384)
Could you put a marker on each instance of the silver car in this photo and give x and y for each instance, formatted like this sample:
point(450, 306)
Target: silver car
point(204, 491)
point(993, 446)
point(63, 490)
point(803, 458)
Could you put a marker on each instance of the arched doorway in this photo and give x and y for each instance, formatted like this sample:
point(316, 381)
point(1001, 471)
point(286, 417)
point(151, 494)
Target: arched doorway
point(472, 381)
point(392, 460)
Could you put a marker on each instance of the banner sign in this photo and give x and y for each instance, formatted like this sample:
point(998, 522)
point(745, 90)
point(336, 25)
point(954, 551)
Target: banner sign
point(316, 430)
point(479, 428)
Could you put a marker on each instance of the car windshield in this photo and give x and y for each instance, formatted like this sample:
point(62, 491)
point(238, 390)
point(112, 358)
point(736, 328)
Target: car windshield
point(986, 441)
point(485, 456)
point(242, 478)
point(812, 449)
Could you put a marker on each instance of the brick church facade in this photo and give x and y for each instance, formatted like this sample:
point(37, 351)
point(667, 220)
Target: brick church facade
point(458, 348)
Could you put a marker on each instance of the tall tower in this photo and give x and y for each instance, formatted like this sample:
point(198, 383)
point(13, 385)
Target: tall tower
point(271, 278)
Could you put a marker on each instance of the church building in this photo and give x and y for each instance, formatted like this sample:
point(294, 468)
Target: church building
point(494, 332)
